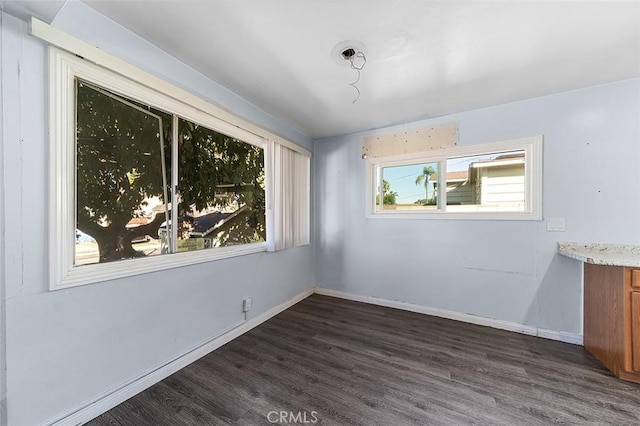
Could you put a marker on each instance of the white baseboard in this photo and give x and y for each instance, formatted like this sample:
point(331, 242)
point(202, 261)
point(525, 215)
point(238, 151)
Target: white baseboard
point(117, 396)
point(562, 336)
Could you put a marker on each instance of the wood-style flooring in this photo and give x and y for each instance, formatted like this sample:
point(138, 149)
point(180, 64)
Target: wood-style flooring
point(349, 363)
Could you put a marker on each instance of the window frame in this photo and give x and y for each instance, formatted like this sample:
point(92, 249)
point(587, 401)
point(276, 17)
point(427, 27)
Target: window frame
point(64, 69)
point(533, 180)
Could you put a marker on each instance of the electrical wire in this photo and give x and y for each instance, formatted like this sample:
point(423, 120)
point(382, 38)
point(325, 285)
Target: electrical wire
point(356, 68)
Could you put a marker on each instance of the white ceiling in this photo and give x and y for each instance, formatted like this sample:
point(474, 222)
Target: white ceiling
point(424, 58)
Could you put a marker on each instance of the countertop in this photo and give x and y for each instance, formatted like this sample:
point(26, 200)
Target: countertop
point(602, 254)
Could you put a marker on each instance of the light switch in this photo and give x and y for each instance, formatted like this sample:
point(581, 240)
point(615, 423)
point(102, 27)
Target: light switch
point(555, 224)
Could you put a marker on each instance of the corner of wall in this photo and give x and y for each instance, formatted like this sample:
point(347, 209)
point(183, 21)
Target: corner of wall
point(3, 317)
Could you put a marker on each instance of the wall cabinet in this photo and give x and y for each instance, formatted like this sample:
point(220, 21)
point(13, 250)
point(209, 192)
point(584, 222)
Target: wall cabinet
point(612, 318)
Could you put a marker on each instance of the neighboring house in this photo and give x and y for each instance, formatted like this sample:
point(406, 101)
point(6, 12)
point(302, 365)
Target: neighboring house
point(139, 221)
point(218, 229)
point(214, 229)
point(493, 183)
point(499, 181)
point(459, 190)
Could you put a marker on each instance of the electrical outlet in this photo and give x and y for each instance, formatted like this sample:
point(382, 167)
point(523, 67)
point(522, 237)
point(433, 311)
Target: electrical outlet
point(246, 304)
point(555, 224)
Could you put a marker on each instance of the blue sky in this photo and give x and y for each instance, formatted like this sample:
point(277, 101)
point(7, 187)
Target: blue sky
point(403, 181)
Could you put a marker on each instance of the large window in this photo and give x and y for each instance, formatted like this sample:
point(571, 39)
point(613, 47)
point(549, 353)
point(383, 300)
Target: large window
point(142, 181)
point(124, 161)
point(490, 181)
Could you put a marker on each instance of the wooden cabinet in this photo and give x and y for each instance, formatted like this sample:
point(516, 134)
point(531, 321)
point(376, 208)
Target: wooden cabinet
point(635, 330)
point(635, 279)
point(612, 318)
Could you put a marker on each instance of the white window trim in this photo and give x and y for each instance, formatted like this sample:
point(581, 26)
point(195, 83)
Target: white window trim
point(64, 68)
point(533, 180)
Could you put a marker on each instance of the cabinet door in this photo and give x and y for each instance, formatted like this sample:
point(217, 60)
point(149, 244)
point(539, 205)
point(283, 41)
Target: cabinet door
point(635, 278)
point(635, 330)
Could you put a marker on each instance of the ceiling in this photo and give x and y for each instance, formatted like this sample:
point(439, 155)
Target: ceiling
point(424, 58)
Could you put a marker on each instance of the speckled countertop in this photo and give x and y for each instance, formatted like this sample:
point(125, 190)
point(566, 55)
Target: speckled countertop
point(602, 254)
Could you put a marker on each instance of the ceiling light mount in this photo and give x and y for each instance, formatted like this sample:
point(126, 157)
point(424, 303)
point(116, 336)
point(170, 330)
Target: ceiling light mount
point(351, 53)
point(344, 51)
point(348, 53)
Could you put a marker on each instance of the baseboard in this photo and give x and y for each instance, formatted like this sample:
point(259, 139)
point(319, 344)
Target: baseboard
point(116, 396)
point(562, 336)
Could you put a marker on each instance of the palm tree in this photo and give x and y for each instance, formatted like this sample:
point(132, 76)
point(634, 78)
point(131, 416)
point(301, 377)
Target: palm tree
point(423, 178)
point(388, 196)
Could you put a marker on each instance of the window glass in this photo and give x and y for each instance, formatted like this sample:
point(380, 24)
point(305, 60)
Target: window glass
point(500, 180)
point(122, 148)
point(490, 182)
point(123, 179)
point(407, 187)
point(221, 190)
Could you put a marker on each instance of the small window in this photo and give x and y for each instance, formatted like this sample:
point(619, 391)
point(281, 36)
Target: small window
point(491, 181)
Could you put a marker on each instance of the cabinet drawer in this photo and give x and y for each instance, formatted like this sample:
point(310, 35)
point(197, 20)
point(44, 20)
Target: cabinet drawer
point(635, 278)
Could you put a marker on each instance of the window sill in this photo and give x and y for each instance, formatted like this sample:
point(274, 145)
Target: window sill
point(95, 273)
point(457, 216)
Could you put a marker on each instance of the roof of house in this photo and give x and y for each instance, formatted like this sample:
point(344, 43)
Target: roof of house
point(203, 224)
point(500, 160)
point(452, 176)
point(137, 221)
point(207, 223)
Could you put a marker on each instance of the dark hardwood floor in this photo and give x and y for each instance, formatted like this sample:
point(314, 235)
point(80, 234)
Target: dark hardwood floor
point(343, 363)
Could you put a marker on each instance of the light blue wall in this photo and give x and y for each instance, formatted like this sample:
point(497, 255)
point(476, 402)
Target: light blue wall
point(506, 270)
point(3, 183)
point(69, 347)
